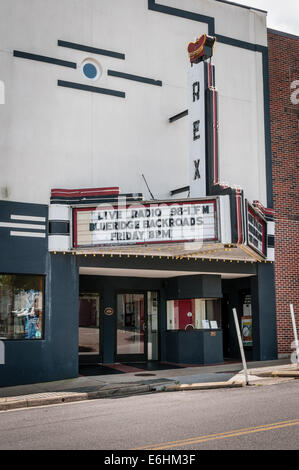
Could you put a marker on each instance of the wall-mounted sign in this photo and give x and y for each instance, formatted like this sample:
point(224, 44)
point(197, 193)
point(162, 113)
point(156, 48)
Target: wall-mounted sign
point(256, 231)
point(246, 326)
point(202, 48)
point(146, 224)
point(197, 130)
point(108, 311)
point(203, 118)
point(247, 312)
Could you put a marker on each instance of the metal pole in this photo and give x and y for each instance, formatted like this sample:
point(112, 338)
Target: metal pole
point(241, 345)
point(295, 332)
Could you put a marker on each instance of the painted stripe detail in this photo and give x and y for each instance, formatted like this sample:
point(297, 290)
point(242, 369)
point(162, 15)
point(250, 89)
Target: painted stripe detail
point(28, 234)
point(95, 200)
point(238, 43)
point(136, 78)
point(93, 50)
point(42, 58)
point(85, 192)
point(179, 116)
point(16, 225)
point(28, 218)
point(189, 15)
point(179, 190)
point(93, 89)
point(105, 198)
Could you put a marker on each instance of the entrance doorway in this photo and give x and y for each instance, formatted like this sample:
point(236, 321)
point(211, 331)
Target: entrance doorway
point(131, 333)
point(89, 328)
point(137, 326)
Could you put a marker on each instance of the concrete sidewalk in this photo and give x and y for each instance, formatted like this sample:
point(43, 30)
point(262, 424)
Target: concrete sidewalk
point(117, 385)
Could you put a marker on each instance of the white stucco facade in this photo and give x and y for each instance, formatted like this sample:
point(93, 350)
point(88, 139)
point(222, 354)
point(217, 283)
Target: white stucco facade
point(54, 137)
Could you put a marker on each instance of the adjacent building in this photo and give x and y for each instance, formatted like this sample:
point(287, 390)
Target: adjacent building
point(284, 106)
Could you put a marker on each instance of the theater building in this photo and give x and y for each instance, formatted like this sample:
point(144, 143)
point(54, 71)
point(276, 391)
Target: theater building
point(136, 185)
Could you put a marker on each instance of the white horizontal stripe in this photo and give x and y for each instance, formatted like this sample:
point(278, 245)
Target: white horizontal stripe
point(28, 217)
point(59, 212)
point(59, 242)
point(270, 254)
point(15, 225)
point(28, 234)
point(271, 228)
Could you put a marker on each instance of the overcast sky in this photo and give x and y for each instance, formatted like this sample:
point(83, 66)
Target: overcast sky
point(282, 14)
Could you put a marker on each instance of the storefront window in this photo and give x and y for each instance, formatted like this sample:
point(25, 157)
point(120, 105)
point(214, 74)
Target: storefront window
point(193, 314)
point(21, 306)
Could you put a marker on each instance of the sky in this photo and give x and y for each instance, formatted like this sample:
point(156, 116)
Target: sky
point(282, 14)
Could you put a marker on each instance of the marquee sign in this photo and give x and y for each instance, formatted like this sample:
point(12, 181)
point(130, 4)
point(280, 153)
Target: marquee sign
point(146, 224)
point(256, 231)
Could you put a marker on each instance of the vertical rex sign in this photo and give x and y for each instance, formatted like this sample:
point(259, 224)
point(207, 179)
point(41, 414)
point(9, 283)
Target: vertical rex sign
point(197, 132)
point(199, 52)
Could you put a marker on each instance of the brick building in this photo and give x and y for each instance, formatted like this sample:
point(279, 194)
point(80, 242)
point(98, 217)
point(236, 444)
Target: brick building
point(284, 105)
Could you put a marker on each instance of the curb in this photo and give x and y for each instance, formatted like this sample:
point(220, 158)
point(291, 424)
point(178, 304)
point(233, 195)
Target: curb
point(15, 403)
point(12, 403)
point(203, 386)
point(279, 373)
point(294, 374)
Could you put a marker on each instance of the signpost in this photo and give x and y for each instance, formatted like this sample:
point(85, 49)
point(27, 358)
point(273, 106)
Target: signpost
point(295, 333)
point(241, 346)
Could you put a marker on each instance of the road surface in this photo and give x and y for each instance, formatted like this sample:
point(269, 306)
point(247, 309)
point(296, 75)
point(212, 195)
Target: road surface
point(257, 417)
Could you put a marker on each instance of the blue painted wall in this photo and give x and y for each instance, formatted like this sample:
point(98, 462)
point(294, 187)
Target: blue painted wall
point(56, 356)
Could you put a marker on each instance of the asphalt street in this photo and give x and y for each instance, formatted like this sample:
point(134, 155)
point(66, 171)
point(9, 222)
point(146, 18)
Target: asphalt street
point(253, 418)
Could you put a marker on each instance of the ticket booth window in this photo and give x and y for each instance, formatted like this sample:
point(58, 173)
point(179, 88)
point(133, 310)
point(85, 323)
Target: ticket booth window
point(193, 314)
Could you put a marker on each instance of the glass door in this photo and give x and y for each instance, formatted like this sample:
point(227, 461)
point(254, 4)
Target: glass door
point(131, 335)
point(89, 328)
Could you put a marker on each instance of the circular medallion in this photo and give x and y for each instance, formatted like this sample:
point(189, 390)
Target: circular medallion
point(108, 311)
point(91, 69)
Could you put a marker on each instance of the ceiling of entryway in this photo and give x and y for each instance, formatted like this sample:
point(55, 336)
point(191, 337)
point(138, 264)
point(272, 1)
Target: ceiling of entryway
point(149, 273)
